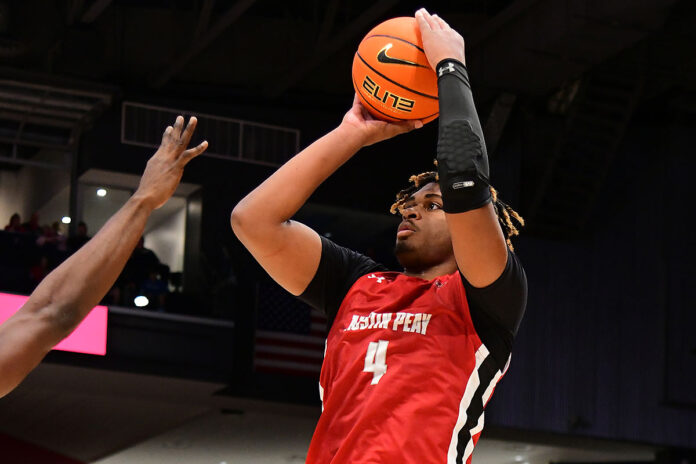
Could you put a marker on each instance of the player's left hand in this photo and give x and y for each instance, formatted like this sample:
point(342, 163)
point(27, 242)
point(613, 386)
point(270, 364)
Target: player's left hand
point(369, 130)
point(440, 41)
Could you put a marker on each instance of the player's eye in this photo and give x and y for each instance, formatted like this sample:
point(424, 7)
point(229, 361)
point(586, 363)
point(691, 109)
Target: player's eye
point(433, 206)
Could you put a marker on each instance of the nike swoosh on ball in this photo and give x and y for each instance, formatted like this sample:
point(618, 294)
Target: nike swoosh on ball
point(382, 57)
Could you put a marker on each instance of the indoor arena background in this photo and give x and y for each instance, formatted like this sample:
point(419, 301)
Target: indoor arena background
point(589, 112)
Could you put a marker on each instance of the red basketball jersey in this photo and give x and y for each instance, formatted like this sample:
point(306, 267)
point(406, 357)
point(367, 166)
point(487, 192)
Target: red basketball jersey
point(405, 377)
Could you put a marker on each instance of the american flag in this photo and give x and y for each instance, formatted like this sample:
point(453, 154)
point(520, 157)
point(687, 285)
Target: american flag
point(290, 335)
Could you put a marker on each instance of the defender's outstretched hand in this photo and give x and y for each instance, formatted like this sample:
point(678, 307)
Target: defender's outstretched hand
point(164, 170)
point(440, 41)
point(68, 294)
point(370, 130)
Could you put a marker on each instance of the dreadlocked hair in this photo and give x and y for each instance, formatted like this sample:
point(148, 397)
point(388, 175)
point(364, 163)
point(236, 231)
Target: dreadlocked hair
point(418, 181)
point(505, 215)
point(504, 211)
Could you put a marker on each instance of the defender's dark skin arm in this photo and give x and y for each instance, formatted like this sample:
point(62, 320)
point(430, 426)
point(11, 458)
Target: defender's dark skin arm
point(67, 294)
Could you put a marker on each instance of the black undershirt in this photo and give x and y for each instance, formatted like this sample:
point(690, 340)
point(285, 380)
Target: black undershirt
point(496, 310)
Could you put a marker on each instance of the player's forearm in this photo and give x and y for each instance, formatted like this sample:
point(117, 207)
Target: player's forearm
point(68, 293)
point(461, 149)
point(477, 240)
point(278, 198)
point(457, 104)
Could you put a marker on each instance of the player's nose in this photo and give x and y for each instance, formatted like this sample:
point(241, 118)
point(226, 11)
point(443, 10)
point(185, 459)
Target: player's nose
point(410, 212)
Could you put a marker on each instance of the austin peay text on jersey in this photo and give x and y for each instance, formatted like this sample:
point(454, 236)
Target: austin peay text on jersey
point(407, 322)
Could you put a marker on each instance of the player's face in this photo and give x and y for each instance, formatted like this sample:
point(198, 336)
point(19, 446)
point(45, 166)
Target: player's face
point(423, 239)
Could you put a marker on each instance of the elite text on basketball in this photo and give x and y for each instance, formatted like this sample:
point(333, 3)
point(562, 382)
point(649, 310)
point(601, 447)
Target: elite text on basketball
point(397, 102)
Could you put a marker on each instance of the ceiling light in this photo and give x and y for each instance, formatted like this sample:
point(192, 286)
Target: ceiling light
point(65, 220)
point(101, 192)
point(141, 301)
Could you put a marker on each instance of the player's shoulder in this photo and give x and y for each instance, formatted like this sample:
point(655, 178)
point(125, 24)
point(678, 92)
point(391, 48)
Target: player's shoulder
point(341, 260)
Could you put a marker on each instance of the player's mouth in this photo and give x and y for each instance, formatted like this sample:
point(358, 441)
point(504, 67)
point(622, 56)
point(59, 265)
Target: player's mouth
point(405, 229)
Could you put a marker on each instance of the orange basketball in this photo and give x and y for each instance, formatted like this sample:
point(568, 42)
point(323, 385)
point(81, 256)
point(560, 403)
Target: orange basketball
point(391, 74)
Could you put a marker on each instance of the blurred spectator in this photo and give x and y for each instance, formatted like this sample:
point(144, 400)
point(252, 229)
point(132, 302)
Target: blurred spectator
point(142, 262)
point(51, 237)
point(25, 260)
point(52, 244)
point(142, 273)
point(48, 237)
point(76, 241)
point(33, 226)
point(155, 288)
point(15, 224)
point(61, 239)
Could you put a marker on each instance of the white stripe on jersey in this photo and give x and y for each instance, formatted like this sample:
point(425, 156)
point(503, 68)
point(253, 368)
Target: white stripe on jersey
point(470, 445)
point(471, 387)
point(489, 391)
point(484, 400)
point(321, 389)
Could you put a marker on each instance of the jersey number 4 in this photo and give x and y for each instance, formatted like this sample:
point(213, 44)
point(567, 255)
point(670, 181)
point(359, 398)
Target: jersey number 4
point(376, 360)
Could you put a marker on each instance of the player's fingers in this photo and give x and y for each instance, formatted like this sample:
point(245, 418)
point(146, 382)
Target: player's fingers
point(188, 132)
point(357, 105)
point(177, 126)
point(441, 23)
point(430, 20)
point(167, 134)
point(366, 115)
point(406, 126)
point(191, 153)
point(422, 20)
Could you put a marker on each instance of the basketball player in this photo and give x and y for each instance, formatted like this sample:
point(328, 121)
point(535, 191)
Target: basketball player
point(411, 357)
point(66, 295)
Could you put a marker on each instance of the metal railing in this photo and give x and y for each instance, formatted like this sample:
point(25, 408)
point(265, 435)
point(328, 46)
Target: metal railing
point(228, 138)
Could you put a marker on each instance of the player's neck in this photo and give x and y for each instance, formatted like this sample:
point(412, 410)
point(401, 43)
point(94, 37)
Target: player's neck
point(444, 268)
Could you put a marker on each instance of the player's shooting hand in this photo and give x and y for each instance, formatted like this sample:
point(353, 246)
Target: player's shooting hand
point(369, 130)
point(164, 170)
point(440, 41)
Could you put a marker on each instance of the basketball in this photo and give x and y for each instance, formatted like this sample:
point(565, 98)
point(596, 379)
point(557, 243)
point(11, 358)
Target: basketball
point(391, 73)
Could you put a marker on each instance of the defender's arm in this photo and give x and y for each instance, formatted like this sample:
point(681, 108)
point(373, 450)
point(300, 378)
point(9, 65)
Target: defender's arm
point(68, 293)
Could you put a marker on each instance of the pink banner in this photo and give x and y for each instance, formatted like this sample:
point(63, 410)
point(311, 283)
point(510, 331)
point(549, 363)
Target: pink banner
point(89, 337)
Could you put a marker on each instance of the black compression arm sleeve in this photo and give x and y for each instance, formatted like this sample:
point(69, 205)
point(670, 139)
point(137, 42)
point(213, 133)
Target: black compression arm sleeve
point(461, 149)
